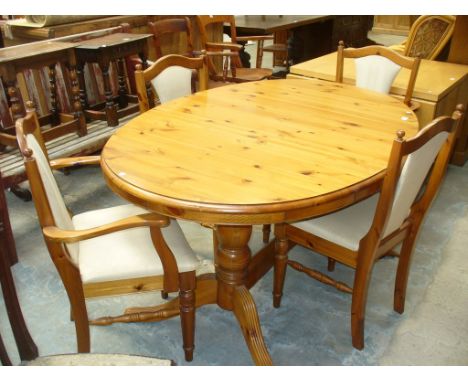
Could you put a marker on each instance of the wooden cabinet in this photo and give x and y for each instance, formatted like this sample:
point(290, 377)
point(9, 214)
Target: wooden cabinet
point(351, 29)
point(396, 24)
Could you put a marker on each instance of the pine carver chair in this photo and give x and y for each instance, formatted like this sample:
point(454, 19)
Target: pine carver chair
point(428, 36)
point(232, 70)
point(376, 68)
point(170, 77)
point(357, 236)
point(117, 250)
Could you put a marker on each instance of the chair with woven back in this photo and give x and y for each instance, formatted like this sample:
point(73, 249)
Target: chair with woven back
point(359, 235)
point(376, 68)
point(232, 69)
point(111, 251)
point(428, 36)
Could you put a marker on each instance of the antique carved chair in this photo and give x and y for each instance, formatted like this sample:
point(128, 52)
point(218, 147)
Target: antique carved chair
point(357, 236)
point(117, 250)
point(232, 70)
point(377, 67)
point(427, 37)
point(170, 77)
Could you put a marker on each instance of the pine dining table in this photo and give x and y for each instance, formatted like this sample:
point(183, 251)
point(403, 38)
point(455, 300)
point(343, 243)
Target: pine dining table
point(249, 154)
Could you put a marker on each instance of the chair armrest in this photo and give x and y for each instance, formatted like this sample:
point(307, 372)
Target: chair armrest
point(200, 53)
point(59, 163)
point(56, 234)
point(255, 38)
point(223, 45)
point(221, 54)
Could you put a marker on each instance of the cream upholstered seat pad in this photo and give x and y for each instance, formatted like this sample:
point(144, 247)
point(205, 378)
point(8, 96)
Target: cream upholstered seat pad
point(349, 225)
point(129, 253)
point(375, 73)
point(345, 227)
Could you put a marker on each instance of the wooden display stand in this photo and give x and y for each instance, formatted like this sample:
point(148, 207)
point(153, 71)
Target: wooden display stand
point(14, 60)
point(24, 34)
point(114, 47)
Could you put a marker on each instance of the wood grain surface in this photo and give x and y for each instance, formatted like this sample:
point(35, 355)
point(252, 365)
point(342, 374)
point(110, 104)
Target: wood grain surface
point(435, 79)
point(254, 153)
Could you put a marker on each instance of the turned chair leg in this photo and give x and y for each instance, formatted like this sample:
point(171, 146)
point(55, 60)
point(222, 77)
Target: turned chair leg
point(266, 232)
point(331, 265)
point(187, 312)
point(280, 263)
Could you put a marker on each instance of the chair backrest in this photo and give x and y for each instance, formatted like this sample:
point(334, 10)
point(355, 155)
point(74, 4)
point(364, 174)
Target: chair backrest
point(177, 30)
point(48, 200)
point(428, 36)
point(218, 21)
point(171, 78)
point(412, 161)
point(214, 26)
point(376, 68)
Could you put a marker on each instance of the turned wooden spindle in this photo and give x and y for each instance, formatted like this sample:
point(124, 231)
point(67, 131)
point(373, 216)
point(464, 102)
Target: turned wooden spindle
point(77, 108)
point(54, 113)
point(187, 312)
point(123, 100)
point(320, 277)
point(16, 108)
point(135, 317)
point(111, 107)
point(82, 85)
point(281, 260)
point(144, 64)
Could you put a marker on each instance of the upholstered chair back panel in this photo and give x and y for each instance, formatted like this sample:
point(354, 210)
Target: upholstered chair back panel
point(173, 82)
point(414, 172)
point(59, 210)
point(375, 73)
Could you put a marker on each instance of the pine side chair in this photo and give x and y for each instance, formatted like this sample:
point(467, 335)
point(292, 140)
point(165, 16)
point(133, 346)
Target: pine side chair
point(170, 77)
point(117, 250)
point(357, 236)
point(232, 69)
point(376, 68)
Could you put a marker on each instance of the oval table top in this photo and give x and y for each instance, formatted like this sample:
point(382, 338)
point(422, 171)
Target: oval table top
point(257, 152)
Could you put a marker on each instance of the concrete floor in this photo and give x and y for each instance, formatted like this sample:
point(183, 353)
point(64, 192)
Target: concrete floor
point(432, 331)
